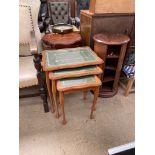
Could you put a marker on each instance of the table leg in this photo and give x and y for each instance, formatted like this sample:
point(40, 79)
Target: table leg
point(54, 96)
point(61, 97)
point(129, 86)
point(49, 91)
point(85, 94)
point(96, 93)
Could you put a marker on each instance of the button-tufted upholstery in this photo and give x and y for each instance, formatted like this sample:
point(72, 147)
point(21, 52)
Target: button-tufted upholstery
point(59, 12)
point(55, 12)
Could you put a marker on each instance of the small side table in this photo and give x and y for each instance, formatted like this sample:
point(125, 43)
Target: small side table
point(70, 73)
point(65, 86)
point(67, 58)
point(111, 48)
point(59, 41)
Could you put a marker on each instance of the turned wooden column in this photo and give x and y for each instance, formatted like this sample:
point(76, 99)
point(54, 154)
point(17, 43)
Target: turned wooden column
point(41, 81)
point(111, 48)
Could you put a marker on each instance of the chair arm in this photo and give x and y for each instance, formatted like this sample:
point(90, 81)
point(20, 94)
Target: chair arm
point(77, 21)
point(33, 44)
point(47, 21)
point(41, 26)
point(72, 20)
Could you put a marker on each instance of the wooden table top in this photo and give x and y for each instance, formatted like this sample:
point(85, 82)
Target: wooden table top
point(78, 83)
point(75, 72)
point(111, 39)
point(69, 58)
point(61, 39)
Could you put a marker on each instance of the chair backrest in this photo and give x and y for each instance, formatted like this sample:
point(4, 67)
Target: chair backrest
point(25, 26)
point(59, 12)
point(81, 5)
point(28, 14)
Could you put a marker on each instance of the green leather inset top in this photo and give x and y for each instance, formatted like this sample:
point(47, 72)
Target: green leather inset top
point(69, 56)
point(74, 70)
point(77, 81)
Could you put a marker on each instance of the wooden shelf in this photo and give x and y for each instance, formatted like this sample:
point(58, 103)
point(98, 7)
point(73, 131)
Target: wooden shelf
point(110, 67)
point(109, 47)
point(112, 56)
point(108, 78)
point(107, 89)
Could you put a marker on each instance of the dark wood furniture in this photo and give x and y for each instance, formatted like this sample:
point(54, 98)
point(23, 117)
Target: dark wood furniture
point(92, 24)
point(40, 74)
point(70, 85)
point(52, 12)
point(58, 41)
point(111, 48)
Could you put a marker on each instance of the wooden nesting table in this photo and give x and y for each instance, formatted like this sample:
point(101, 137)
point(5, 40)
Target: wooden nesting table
point(76, 63)
point(69, 85)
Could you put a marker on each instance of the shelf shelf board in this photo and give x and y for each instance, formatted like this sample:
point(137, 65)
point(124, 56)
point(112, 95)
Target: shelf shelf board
point(108, 78)
point(110, 67)
point(106, 89)
point(107, 92)
point(112, 56)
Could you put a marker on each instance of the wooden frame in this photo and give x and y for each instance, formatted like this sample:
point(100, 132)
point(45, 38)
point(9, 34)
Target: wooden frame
point(84, 87)
point(52, 77)
point(29, 92)
point(49, 92)
point(40, 74)
point(60, 41)
point(128, 88)
point(111, 22)
point(106, 46)
point(96, 71)
point(112, 6)
point(76, 87)
point(98, 61)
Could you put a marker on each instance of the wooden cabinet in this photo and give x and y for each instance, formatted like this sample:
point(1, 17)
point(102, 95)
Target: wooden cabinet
point(92, 24)
point(111, 48)
point(112, 6)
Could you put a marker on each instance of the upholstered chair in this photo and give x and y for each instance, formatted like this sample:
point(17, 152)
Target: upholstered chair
point(58, 12)
point(80, 5)
point(30, 71)
point(43, 16)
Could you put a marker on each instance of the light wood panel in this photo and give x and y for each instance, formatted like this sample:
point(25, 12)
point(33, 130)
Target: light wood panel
point(112, 6)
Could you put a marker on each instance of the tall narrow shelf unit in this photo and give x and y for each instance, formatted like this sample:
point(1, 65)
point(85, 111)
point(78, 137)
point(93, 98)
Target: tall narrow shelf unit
point(111, 48)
